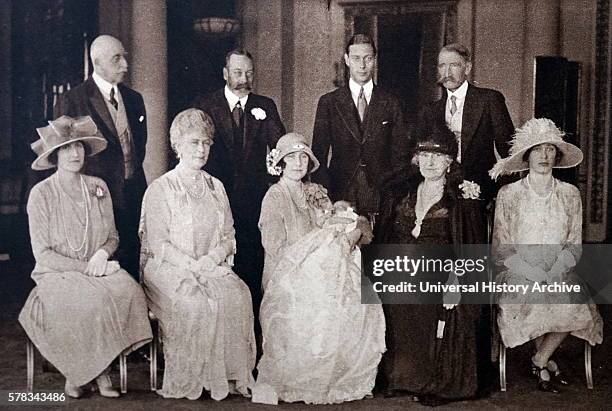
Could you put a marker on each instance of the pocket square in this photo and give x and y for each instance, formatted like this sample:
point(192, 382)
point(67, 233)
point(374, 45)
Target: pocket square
point(141, 119)
point(384, 122)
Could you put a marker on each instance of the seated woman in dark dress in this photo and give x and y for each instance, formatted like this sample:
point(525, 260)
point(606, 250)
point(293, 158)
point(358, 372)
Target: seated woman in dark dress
point(428, 207)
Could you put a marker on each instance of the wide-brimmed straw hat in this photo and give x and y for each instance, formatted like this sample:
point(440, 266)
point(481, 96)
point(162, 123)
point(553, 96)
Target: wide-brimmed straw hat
point(63, 131)
point(287, 144)
point(440, 139)
point(533, 133)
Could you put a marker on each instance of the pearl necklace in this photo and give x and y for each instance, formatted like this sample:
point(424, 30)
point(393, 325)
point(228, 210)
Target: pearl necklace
point(84, 245)
point(544, 197)
point(190, 190)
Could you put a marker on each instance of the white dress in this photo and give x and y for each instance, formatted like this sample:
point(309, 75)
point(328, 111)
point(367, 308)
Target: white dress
point(207, 324)
point(539, 230)
point(320, 344)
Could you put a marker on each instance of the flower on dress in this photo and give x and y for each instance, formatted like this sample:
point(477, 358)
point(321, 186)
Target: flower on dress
point(470, 190)
point(258, 113)
point(271, 160)
point(316, 196)
point(97, 191)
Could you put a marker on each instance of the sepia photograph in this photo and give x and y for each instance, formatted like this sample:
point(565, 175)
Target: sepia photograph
point(305, 204)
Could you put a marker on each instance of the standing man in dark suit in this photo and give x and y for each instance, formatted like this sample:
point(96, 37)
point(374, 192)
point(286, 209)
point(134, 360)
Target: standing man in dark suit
point(246, 126)
point(363, 126)
point(119, 113)
point(478, 117)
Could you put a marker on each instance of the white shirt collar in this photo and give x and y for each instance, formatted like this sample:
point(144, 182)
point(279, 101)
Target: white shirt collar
point(233, 99)
point(104, 86)
point(460, 93)
point(356, 88)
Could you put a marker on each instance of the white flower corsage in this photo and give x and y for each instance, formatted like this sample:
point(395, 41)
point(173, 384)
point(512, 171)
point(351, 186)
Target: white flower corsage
point(258, 113)
point(271, 160)
point(470, 190)
point(97, 192)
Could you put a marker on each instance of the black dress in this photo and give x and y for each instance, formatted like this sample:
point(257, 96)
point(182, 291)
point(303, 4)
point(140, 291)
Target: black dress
point(417, 361)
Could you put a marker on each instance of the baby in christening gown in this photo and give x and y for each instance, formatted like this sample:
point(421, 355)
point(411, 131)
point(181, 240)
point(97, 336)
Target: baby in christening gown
point(321, 345)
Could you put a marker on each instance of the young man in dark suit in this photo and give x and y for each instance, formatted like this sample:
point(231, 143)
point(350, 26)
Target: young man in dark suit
point(364, 129)
point(247, 125)
point(119, 112)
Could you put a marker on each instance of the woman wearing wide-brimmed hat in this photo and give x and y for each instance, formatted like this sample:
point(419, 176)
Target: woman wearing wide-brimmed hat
point(320, 344)
point(432, 343)
point(537, 238)
point(85, 310)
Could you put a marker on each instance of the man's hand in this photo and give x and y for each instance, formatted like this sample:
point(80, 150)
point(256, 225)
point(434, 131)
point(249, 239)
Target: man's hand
point(96, 266)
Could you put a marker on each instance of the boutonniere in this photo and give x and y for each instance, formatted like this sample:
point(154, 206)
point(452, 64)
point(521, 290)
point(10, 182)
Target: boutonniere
point(97, 191)
point(470, 190)
point(271, 161)
point(258, 113)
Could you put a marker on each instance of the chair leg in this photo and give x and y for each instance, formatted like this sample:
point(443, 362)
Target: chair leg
point(30, 365)
point(502, 367)
point(123, 372)
point(587, 365)
point(153, 357)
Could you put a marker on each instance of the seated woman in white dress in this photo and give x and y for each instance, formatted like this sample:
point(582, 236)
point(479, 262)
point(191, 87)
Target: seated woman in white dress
point(85, 310)
point(320, 344)
point(537, 238)
point(188, 245)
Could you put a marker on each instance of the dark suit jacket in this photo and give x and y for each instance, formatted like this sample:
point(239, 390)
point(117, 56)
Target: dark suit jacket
point(377, 144)
point(486, 122)
point(87, 100)
point(244, 175)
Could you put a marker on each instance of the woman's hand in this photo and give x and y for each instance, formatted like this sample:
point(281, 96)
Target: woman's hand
point(536, 274)
point(353, 237)
point(206, 263)
point(96, 266)
point(112, 267)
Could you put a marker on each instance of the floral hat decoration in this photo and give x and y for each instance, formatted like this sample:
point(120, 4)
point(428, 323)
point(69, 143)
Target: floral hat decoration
point(63, 131)
point(287, 144)
point(533, 133)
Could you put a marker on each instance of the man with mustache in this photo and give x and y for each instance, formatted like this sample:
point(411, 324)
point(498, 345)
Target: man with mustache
point(246, 126)
point(478, 117)
point(119, 114)
point(362, 127)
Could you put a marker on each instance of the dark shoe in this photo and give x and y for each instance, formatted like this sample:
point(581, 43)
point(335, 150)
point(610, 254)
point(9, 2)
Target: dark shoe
point(556, 374)
point(433, 401)
point(544, 384)
point(389, 393)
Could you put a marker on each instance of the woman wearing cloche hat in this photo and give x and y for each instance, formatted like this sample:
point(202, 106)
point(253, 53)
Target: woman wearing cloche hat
point(85, 310)
point(429, 204)
point(537, 238)
point(320, 344)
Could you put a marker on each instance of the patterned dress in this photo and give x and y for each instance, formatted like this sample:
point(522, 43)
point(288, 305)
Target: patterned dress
point(207, 323)
point(320, 344)
point(78, 322)
point(540, 230)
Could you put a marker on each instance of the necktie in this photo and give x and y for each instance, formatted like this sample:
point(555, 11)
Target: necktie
point(112, 99)
point(453, 107)
point(237, 114)
point(362, 104)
